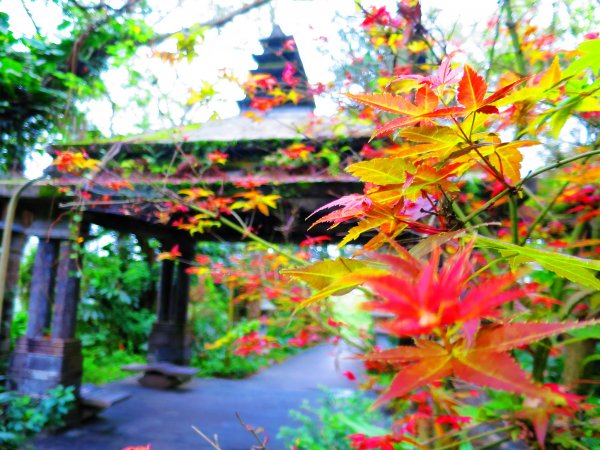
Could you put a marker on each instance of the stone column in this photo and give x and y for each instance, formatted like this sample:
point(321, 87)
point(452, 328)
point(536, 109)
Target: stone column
point(42, 286)
point(39, 362)
point(64, 316)
point(169, 339)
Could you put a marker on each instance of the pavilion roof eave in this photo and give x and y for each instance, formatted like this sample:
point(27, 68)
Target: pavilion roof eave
point(280, 124)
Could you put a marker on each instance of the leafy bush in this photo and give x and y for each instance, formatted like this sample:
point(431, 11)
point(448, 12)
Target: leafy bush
point(110, 315)
point(22, 417)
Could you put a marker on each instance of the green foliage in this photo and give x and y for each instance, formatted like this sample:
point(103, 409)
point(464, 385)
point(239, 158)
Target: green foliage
point(42, 76)
point(101, 368)
point(18, 326)
point(328, 423)
point(22, 417)
point(578, 270)
point(114, 280)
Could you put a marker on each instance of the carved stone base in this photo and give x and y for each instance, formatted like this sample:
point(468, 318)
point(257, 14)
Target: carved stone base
point(40, 364)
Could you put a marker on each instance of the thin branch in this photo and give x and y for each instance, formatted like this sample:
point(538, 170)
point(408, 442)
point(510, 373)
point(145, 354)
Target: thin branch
point(214, 444)
point(253, 432)
point(534, 174)
point(37, 29)
point(213, 23)
point(542, 215)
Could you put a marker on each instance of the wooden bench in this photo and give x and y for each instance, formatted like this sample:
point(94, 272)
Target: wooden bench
point(162, 375)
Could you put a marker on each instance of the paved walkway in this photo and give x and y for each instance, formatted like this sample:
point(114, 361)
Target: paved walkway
point(164, 418)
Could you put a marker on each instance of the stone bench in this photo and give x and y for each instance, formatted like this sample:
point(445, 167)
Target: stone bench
point(95, 399)
point(162, 375)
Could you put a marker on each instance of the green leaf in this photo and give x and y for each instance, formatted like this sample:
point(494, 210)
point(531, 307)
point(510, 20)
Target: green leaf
point(583, 334)
point(577, 270)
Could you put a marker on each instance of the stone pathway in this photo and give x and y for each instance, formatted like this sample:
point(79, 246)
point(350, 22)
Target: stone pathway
point(164, 418)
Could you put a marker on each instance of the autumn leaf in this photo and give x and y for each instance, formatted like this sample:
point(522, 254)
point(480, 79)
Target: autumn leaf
point(352, 206)
point(445, 76)
point(382, 171)
point(74, 162)
point(472, 89)
point(193, 194)
point(171, 255)
point(254, 199)
point(423, 110)
point(435, 141)
point(437, 297)
point(330, 277)
point(321, 274)
point(217, 157)
point(486, 363)
point(314, 240)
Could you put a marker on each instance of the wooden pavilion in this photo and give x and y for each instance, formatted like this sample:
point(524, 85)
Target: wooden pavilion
point(50, 354)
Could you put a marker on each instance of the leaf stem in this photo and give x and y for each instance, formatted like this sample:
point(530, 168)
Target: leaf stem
point(478, 436)
point(542, 215)
point(530, 176)
point(514, 218)
point(557, 164)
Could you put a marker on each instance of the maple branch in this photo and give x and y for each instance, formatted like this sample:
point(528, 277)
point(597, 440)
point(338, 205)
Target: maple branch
point(214, 444)
point(530, 176)
point(485, 206)
point(557, 164)
point(493, 170)
point(244, 231)
point(37, 29)
point(492, 52)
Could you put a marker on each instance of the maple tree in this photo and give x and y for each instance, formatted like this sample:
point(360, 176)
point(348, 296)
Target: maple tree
point(494, 275)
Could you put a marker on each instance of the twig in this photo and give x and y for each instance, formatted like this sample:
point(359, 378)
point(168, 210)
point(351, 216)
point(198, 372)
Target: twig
point(262, 444)
point(214, 444)
point(37, 29)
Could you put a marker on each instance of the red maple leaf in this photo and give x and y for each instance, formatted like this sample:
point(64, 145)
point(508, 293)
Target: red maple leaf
point(310, 241)
point(434, 297)
point(486, 363)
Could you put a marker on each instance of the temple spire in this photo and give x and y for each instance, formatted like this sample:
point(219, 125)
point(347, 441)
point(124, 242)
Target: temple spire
point(279, 51)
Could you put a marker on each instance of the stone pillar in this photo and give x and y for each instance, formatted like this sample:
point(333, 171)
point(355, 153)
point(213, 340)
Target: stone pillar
point(40, 362)
point(12, 280)
point(165, 290)
point(169, 339)
point(64, 316)
point(42, 286)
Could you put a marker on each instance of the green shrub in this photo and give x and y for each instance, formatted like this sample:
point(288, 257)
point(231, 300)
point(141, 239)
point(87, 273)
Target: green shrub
point(22, 417)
